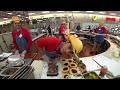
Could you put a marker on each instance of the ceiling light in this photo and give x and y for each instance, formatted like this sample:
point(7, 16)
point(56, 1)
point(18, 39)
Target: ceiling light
point(5, 18)
point(45, 12)
point(60, 11)
point(112, 14)
point(39, 20)
point(9, 13)
point(31, 13)
point(90, 11)
point(116, 28)
point(18, 15)
point(75, 11)
point(102, 12)
point(26, 17)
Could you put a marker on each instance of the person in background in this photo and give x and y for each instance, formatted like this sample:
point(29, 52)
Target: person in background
point(21, 38)
point(54, 47)
point(89, 27)
point(62, 30)
point(49, 30)
point(78, 27)
point(100, 32)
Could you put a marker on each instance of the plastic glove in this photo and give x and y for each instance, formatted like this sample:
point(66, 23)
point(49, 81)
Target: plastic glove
point(17, 53)
point(46, 58)
point(23, 54)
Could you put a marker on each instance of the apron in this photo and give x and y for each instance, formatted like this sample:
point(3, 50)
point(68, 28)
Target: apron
point(53, 55)
point(22, 43)
point(98, 38)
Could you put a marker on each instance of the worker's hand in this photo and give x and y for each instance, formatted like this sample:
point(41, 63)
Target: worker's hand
point(23, 54)
point(17, 53)
point(94, 33)
point(46, 58)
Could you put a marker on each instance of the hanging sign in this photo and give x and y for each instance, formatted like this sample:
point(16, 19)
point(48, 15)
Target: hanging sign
point(110, 19)
point(94, 18)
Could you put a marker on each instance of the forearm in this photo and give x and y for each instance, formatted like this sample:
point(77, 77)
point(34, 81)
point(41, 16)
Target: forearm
point(41, 51)
point(15, 45)
point(100, 34)
point(28, 46)
point(29, 40)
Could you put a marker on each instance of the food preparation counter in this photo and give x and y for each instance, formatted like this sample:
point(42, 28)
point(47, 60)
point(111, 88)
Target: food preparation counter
point(7, 71)
point(104, 56)
point(40, 35)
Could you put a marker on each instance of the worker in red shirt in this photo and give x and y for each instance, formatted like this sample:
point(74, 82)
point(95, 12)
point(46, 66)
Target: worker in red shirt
point(100, 32)
point(53, 47)
point(21, 37)
point(62, 30)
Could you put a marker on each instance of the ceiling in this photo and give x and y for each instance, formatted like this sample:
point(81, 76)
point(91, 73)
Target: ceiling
point(112, 13)
point(6, 15)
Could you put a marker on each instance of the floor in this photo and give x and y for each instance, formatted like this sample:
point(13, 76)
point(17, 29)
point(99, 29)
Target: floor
point(86, 51)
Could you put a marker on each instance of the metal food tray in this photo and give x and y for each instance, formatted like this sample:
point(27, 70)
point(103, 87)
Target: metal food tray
point(85, 74)
point(6, 70)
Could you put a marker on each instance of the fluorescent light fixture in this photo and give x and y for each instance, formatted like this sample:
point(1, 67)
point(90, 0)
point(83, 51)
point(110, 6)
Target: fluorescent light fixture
point(45, 12)
point(39, 20)
point(89, 11)
point(18, 15)
point(102, 12)
point(31, 13)
point(116, 28)
point(60, 11)
point(5, 18)
point(9, 13)
point(75, 11)
point(112, 14)
point(26, 17)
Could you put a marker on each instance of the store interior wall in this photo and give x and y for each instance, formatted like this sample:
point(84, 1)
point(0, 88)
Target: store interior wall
point(83, 19)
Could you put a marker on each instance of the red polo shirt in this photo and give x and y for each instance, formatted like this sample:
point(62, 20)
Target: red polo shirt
point(49, 43)
point(103, 28)
point(61, 29)
point(25, 33)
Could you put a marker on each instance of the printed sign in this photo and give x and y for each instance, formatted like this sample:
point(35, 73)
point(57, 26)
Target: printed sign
point(110, 19)
point(94, 18)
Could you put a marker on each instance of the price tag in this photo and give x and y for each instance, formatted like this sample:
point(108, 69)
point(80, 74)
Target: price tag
point(20, 35)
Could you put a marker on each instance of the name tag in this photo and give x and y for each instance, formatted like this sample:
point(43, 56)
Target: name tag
point(20, 35)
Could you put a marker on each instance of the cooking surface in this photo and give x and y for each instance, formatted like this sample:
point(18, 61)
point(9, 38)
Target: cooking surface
point(5, 72)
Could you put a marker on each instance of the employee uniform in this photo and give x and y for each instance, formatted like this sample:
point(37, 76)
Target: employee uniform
point(61, 31)
point(22, 40)
point(52, 46)
point(98, 39)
